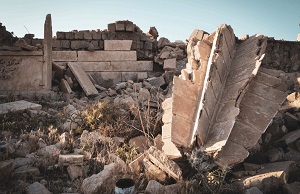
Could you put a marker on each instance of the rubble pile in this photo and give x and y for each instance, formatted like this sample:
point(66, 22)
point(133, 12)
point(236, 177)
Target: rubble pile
point(205, 117)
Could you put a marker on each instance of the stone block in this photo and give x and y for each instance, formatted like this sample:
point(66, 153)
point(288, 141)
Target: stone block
point(148, 45)
point(96, 34)
point(120, 26)
point(65, 44)
point(142, 75)
point(83, 79)
point(69, 35)
point(94, 66)
point(87, 35)
point(64, 56)
point(111, 27)
point(101, 44)
point(129, 26)
point(56, 43)
point(117, 45)
point(158, 158)
point(106, 79)
point(60, 35)
point(132, 66)
point(156, 81)
point(78, 35)
point(107, 56)
point(170, 64)
point(37, 187)
point(153, 172)
point(65, 87)
point(129, 76)
point(18, 106)
point(66, 160)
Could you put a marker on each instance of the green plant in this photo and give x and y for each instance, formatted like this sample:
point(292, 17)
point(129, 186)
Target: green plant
point(126, 152)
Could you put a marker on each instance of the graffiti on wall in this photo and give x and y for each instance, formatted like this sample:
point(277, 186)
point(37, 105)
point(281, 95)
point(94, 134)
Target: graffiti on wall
point(8, 67)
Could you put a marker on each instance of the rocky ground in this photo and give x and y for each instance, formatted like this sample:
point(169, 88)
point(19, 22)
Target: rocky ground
point(76, 144)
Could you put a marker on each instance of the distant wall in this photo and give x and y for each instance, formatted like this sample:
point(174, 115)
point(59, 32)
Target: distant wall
point(145, 45)
point(282, 55)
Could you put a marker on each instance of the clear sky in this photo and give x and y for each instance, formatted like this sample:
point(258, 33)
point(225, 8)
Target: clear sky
point(174, 19)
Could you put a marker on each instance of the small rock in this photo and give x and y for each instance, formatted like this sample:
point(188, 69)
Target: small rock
point(26, 171)
point(154, 187)
point(6, 168)
point(157, 81)
point(23, 149)
point(49, 151)
point(173, 189)
point(111, 92)
point(74, 171)
point(66, 160)
point(41, 143)
point(238, 174)
point(23, 161)
point(144, 94)
point(37, 188)
point(153, 172)
point(253, 190)
point(120, 86)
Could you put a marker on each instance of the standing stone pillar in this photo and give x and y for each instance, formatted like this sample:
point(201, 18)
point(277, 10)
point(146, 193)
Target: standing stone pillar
point(47, 70)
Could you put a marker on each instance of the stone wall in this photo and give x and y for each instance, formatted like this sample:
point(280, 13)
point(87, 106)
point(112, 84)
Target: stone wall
point(144, 44)
point(282, 55)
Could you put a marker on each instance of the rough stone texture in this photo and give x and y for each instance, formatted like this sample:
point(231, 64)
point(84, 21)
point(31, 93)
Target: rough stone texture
point(163, 162)
point(103, 182)
point(170, 64)
point(273, 176)
point(153, 172)
point(292, 188)
point(65, 87)
point(26, 171)
point(66, 160)
point(156, 81)
point(64, 56)
point(18, 106)
point(83, 79)
point(6, 168)
point(154, 187)
point(74, 172)
point(37, 188)
point(107, 56)
point(117, 45)
point(139, 142)
point(18, 69)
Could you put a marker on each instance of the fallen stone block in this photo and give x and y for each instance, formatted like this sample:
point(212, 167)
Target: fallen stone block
point(117, 45)
point(170, 64)
point(156, 81)
point(273, 176)
point(66, 160)
point(153, 172)
point(83, 79)
point(289, 138)
point(158, 158)
point(18, 106)
point(37, 188)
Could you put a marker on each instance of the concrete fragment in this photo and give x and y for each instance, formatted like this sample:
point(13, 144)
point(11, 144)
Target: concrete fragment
point(83, 79)
point(37, 188)
point(117, 45)
point(20, 105)
point(163, 162)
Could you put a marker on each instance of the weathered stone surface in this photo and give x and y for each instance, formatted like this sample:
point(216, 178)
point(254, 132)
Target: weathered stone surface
point(156, 81)
point(26, 171)
point(290, 137)
point(103, 182)
point(136, 164)
point(66, 160)
point(132, 66)
point(65, 87)
point(154, 187)
point(6, 168)
point(292, 188)
point(272, 176)
point(153, 172)
point(170, 64)
point(106, 79)
point(117, 45)
point(18, 106)
point(253, 190)
point(163, 162)
point(64, 56)
point(140, 143)
point(37, 188)
point(74, 171)
point(83, 79)
point(107, 56)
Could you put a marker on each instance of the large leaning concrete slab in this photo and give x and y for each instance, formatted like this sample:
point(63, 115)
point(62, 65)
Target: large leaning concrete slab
point(107, 56)
point(18, 106)
point(83, 79)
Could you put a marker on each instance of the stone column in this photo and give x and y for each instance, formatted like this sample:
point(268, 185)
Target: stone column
point(47, 70)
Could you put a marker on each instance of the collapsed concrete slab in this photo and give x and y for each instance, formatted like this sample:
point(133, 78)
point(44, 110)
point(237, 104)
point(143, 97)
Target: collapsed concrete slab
point(220, 113)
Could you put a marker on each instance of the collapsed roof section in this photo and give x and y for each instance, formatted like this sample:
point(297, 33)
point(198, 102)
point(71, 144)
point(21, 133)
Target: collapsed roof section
point(220, 98)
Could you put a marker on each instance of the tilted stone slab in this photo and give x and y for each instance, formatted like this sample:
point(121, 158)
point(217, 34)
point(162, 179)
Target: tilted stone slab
point(83, 79)
point(107, 56)
point(158, 158)
point(18, 106)
point(64, 55)
point(117, 45)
